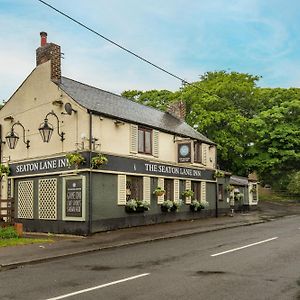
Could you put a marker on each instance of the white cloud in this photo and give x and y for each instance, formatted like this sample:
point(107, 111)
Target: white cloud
point(186, 39)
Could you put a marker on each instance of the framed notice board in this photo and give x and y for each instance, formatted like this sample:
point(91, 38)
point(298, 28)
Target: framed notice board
point(74, 191)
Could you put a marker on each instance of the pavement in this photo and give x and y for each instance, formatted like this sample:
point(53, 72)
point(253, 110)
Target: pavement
point(66, 245)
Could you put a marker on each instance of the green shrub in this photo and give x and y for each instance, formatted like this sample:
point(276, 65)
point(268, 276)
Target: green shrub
point(294, 184)
point(8, 233)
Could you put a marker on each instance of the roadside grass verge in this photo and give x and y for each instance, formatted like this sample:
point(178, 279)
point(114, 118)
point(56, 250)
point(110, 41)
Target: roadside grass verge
point(9, 237)
point(276, 197)
point(22, 241)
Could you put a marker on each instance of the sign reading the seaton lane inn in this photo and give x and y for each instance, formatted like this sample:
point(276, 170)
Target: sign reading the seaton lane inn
point(171, 170)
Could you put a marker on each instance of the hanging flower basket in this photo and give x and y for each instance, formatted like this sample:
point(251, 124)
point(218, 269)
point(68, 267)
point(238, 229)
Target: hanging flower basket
point(4, 170)
point(75, 159)
point(159, 191)
point(229, 188)
point(188, 193)
point(98, 161)
point(239, 197)
point(219, 174)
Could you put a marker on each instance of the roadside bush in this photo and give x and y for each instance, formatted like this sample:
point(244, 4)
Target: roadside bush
point(8, 233)
point(294, 184)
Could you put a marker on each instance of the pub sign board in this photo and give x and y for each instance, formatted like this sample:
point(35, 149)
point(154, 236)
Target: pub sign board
point(184, 152)
point(74, 198)
point(116, 163)
point(45, 166)
point(139, 166)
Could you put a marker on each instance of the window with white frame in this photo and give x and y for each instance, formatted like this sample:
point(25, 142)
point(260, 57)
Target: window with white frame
point(134, 187)
point(144, 140)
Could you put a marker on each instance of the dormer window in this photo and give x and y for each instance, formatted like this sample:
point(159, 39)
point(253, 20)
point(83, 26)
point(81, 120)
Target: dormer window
point(145, 140)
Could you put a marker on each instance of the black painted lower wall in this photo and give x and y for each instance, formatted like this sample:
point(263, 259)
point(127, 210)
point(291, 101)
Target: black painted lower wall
point(57, 226)
point(131, 220)
point(140, 219)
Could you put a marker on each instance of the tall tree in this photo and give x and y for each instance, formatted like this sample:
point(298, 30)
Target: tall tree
point(254, 128)
point(275, 152)
point(155, 98)
point(220, 105)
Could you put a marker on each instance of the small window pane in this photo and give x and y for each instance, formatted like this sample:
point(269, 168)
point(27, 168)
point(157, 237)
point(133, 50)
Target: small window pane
point(169, 188)
point(141, 141)
point(147, 142)
point(220, 192)
point(134, 187)
point(197, 152)
point(196, 188)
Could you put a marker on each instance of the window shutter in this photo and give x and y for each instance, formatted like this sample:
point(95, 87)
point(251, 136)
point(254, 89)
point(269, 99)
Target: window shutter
point(146, 189)
point(203, 191)
point(121, 189)
point(176, 190)
point(204, 154)
point(133, 138)
point(161, 183)
point(155, 142)
point(188, 186)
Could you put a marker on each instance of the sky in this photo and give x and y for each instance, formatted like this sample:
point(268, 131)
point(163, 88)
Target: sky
point(187, 38)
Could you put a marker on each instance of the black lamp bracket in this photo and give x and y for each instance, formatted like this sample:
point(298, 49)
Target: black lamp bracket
point(60, 133)
point(26, 142)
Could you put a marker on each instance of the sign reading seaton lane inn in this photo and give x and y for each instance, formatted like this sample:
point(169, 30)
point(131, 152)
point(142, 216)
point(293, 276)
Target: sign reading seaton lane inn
point(41, 166)
point(115, 163)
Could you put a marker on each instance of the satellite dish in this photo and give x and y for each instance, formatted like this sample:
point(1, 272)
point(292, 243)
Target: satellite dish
point(69, 109)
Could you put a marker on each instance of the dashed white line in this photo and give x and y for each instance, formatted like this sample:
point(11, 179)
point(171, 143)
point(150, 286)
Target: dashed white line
point(243, 247)
point(98, 287)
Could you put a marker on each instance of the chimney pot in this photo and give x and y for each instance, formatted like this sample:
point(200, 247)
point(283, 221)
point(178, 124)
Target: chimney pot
point(49, 51)
point(43, 38)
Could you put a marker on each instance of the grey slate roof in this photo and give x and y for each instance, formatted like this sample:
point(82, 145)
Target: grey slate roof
point(109, 104)
point(238, 180)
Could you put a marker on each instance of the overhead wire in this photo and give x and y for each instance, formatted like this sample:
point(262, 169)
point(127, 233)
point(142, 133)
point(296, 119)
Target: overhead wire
point(183, 81)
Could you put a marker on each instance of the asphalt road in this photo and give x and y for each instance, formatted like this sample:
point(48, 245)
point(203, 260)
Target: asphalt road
point(253, 262)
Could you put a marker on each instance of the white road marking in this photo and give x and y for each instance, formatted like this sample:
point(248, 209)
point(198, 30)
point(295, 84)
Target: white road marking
point(99, 287)
point(240, 248)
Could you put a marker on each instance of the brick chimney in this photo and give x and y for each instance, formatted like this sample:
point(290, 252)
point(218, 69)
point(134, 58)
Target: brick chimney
point(177, 110)
point(49, 51)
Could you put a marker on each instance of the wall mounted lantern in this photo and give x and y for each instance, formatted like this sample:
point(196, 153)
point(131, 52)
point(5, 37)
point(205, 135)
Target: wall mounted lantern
point(12, 137)
point(46, 128)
